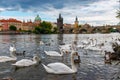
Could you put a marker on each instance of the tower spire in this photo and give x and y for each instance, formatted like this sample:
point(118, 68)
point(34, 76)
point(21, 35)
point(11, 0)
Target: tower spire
point(76, 18)
point(76, 25)
point(59, 15)
point(60, 23)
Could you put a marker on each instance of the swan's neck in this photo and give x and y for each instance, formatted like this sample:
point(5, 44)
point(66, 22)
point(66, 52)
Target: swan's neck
point(36, 59)
point(73, 64)
point(61, 51)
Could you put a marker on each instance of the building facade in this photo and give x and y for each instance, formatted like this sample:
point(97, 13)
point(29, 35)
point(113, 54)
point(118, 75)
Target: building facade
point(29, 25)
point(6, 23)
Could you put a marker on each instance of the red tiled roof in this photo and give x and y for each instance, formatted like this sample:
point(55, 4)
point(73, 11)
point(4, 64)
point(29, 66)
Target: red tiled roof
point(10, 20)
point(28, 24)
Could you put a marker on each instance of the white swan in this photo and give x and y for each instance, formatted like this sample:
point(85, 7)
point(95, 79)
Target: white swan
point(60, 68)
point(54, 53)
point(66, 47)
point(12, 48)
point(27, 62)
point(7, 58)
point(42, 43)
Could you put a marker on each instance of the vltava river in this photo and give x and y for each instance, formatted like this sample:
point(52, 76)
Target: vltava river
point(92, 66)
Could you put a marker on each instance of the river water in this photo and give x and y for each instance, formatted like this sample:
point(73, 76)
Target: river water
point(92, 66)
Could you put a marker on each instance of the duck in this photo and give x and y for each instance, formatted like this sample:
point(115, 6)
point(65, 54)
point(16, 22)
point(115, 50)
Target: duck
point(27, 62)
point(7, 58)
point(54, 53)
point(61, 68)
point(20, 54)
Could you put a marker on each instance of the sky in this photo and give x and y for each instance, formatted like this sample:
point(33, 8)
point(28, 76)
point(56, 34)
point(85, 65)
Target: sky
point(93, 12)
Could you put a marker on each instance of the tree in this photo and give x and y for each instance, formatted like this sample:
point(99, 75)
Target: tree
point(118, 14)
point(12, 28)
point(44, 28)
point(37, 30)
point(55, 29)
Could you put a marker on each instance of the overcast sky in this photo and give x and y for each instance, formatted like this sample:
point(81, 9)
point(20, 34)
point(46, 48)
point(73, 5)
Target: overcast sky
point(94, 12)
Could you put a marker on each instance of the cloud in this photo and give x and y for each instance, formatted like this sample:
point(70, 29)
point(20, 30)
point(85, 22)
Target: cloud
point(34, 5)
point(95, 12)
point(101, 12)
point(2, 9)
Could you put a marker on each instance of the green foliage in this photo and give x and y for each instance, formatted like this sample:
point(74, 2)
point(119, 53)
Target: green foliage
point(80, 26)
point(112, 30)
point(12, 28)
point(55, 29)
point(44, 28)
point(37, 30)
point(118, 14)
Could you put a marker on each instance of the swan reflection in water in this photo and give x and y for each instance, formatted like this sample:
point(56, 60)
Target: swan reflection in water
point(61, 77)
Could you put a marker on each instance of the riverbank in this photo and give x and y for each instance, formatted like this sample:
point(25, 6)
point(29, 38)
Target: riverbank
point(13, 32)
point(18, 32)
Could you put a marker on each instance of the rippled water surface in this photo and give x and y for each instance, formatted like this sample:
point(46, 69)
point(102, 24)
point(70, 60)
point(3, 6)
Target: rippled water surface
point(92, 66)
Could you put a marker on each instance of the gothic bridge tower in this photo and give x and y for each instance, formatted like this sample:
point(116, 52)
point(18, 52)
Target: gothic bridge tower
point(60, 24)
